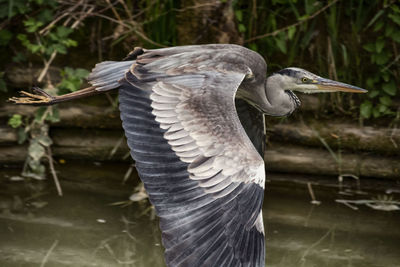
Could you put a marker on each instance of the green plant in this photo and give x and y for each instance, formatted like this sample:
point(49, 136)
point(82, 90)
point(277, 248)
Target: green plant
point(42, 39)
point(72, 79)
point(35, 129)
point(352, 41)
point(384, 55)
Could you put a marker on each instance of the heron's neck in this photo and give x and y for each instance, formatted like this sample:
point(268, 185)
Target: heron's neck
point(279, 102)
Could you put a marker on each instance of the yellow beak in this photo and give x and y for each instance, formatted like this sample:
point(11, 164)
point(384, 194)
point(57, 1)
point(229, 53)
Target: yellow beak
point(333, 86)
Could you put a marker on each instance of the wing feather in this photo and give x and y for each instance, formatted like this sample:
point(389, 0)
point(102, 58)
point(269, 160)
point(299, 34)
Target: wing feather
point(207, 182)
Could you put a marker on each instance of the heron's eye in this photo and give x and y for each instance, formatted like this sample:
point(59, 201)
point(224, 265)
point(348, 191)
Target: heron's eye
point(304, 79)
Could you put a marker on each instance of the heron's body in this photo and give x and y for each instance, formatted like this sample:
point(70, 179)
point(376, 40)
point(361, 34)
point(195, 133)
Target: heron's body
point(203, 173)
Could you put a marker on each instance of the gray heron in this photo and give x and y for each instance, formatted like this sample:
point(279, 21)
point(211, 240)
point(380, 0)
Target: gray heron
point(203, 173)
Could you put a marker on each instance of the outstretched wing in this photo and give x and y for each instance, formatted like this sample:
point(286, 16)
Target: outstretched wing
point(201, 171)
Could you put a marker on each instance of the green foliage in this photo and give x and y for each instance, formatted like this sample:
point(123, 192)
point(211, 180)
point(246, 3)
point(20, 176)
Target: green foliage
point(35, 130)
point(5, 37)
point(72, 79)
point(56, 41)
point(354, 41)
point(382, 84)
point(39, 141)
point(15, 121)
point(39, 40)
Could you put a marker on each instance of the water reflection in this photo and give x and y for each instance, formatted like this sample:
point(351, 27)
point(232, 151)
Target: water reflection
point(83, 229)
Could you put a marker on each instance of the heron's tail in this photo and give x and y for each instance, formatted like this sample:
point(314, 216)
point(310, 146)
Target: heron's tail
point(106, 75)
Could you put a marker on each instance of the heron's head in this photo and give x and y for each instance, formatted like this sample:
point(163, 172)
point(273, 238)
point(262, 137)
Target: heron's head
point(278, 98)
point(296, 79)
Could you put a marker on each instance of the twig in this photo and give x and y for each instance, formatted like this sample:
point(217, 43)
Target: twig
point(55, 243)
point(311, 191)
point(391, 63)
point(113, 10)
point(116, 146)
point(46, 66)
point(53, 171)
point(127, 11)
point(368, 201)
point(87, 13)
point(292, 25)
point(128, 173)
point(307, 251)
point(130, 29)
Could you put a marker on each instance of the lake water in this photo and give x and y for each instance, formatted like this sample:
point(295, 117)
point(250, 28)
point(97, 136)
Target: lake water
point(91, 226)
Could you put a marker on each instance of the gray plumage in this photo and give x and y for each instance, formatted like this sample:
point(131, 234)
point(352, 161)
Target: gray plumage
point(201, 171)
point(200, 161)
point(204, 174)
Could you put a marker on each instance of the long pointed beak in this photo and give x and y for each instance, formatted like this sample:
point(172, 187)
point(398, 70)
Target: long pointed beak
point(333, 86)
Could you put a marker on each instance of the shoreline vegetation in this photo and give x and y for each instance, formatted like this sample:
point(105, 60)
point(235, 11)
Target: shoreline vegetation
point(53, 44)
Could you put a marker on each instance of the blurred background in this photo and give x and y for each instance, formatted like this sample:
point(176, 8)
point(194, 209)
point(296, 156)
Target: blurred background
point(69, 192)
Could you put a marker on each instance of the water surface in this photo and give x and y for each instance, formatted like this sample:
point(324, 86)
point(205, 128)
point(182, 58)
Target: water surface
point(83, 228)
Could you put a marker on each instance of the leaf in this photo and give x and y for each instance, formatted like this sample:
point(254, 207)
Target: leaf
point(381, 58)
point(291, 32)
point(389, 30)
point(382, 108)
point(281, 44)
point(60, 48)
point(45, 16)
point(369, 47)
point(373, 93)
point(39, 113)
point(366, 109)
point(81, 73)
point(15, 121)
point(36, 151)
point(239, 15)
point(390, 88)
point(375, 112)
point(378, 26)
point(253, 46)
point(34, 48)
point(54, 116)
point(370, 82)
point(62, 32)
point(22, 136)
point(386, 76)
point(379, 45)
point(37, 170)
point(395, 8)
point(5, 37)
point(70, 42)
point(395, 18)
point(19, 57)
point(44, 140)
point(32, 25)
point(396, 36)
point(385, 100)
point(242, 28)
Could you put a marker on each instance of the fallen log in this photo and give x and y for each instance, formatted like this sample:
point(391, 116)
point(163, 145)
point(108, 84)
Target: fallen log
point(295, 159)
point(110, 145)
point(346, 136)
point(338, 135)
point(77, 115)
